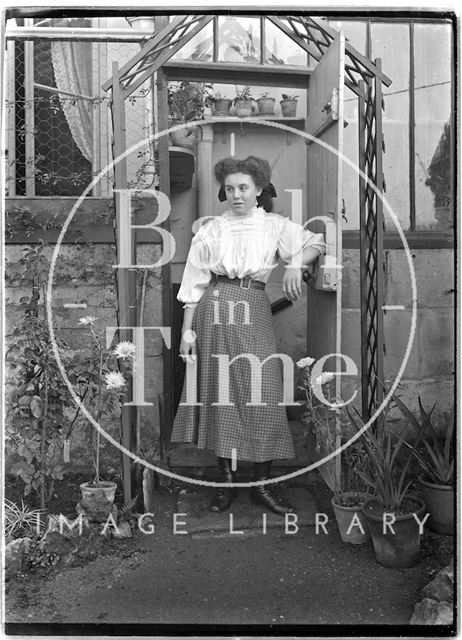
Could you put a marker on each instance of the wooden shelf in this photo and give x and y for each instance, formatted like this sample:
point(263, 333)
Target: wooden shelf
point(252, 120)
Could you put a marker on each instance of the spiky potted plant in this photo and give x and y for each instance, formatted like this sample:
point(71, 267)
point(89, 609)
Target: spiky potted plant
point(101, 388)
point(394, 514)
point(436, 459)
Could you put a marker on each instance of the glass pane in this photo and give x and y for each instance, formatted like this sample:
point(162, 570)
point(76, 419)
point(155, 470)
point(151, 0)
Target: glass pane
point(238, 39)
point(390, 43)
point(351, 151)
point(355, 32)
point(198, 48)
point(433, 162)
point(280, 49)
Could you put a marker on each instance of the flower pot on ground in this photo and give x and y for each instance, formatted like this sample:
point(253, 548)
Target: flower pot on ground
point(266, 105)
point(351, 520)
point(97, 499)
point(436, 459)
point(439, 500)
point(396, 546)
point(289, 106)
point(388, 475)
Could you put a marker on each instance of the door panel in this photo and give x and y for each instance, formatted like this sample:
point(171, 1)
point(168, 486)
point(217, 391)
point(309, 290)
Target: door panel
point(324, 198)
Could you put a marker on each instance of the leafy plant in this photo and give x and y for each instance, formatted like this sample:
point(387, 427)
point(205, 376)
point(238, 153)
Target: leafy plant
point(327, 422)
point(186, 100)
point(99, 383)
point(440, 170)
point(39, 557)
point(287, 97)
point(243, 94)
point(387, 475)
point(21, 520)
point(438, 460)
point(37, 393)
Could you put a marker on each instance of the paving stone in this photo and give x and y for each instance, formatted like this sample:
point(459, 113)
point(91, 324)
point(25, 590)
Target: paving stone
point(430, 611)
point(243, 515)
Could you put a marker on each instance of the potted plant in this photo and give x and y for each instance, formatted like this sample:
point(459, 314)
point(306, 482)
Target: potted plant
point(221, 104)
point(437, 464)
point(186, 103)
point(288, 105)
point(324, 431)
point(101, 389)
point(266, 104)
point(243, 102)
point(387, 474)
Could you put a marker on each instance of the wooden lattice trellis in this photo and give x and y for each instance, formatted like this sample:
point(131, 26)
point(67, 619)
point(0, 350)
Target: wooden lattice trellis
point(363, 77)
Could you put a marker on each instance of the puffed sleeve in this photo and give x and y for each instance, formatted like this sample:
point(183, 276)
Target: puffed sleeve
point(197, 275)
point(293, 239)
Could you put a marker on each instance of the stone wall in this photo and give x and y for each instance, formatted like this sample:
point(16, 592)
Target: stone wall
point(85, 275)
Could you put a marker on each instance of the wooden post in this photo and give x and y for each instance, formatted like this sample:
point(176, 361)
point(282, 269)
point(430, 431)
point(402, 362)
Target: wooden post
point(167, 308)
point(29, 112)
point(126, 279)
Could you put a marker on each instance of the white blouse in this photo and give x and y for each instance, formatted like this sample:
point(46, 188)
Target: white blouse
point(240, 246)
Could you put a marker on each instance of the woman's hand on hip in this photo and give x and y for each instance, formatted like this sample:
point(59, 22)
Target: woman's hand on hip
point(188, 349)
point(292, 283)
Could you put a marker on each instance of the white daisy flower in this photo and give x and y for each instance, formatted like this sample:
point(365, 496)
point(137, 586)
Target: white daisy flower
point(305, 362)
point(86, 320)
point(125, 349)
point(324, 378)
point(114, 380)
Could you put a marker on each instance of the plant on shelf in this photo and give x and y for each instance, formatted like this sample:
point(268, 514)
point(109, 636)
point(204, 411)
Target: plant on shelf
point(243, 101)
point(388, 476)
point(288, 105)
point(325, 430)
point(266, 104)
point(186, 103)
point(436, 458)
point(99, 379)
point(220, 103)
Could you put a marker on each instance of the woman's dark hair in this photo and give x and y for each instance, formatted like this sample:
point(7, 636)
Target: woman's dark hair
point(257, 168)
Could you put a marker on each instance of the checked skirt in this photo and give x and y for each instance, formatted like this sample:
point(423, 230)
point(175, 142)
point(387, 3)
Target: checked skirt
point(223, 421)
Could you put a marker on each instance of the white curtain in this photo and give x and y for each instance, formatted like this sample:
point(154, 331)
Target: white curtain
point(72, 68)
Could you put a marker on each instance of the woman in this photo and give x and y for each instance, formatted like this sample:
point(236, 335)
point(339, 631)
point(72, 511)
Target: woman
point(228, 323)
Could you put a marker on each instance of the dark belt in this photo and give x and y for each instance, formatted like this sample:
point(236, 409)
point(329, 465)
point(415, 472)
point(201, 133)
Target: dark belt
point(244, 283)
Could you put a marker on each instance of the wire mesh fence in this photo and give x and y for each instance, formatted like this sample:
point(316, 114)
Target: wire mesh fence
point(58, 121)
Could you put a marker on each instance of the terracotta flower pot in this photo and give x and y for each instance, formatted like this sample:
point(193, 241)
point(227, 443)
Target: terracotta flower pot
point(401, 548)
point(288, 108)
point(266, 106)
point(185, 137)
point(348, 528)
point(222, 106)
point(439, 500)
point(243, 107)
point(97, 500)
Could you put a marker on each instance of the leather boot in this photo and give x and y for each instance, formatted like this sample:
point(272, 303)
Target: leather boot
point(263, 495)
point(224, 495)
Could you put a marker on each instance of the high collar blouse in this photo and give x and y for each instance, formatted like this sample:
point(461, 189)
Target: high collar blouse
point(240, 246)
